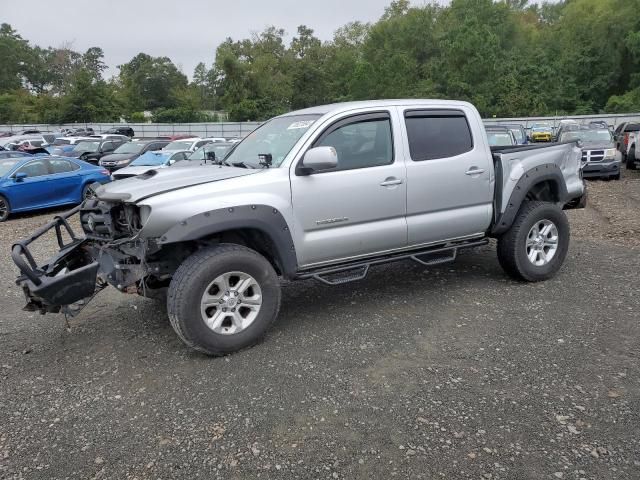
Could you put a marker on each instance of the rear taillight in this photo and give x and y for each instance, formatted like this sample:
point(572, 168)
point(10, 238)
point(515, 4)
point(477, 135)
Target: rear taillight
point(105, 172)
point(626, 138)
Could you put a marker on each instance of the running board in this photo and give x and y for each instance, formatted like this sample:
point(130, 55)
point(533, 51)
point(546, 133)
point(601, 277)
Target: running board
point(354, 271)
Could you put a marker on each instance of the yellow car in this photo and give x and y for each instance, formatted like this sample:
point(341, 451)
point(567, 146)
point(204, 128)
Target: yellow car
point(541, 133)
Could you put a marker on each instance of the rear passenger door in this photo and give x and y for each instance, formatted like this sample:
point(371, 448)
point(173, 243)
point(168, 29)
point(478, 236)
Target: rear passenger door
point(449, 175)
point(66, 180)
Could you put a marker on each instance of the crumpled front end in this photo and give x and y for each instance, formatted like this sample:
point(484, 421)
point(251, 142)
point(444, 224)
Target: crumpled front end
point(109, 253)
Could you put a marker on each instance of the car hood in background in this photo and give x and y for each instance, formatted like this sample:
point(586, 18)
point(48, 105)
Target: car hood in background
point(136, 170)
point(114, 157)
point(155, 182)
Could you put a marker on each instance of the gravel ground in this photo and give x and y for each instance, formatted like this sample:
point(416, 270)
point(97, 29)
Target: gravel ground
point(449, 372)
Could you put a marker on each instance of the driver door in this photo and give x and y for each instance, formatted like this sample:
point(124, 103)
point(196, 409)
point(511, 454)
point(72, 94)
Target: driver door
point(359, 207)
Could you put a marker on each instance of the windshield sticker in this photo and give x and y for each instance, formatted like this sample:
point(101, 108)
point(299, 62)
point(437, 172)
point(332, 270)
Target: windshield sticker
point(301, 124)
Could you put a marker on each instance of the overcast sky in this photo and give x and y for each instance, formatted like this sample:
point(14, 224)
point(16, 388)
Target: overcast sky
point(187, 31)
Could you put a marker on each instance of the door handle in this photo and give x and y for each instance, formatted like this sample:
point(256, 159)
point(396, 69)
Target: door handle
point(474, 171)
point(389, 182)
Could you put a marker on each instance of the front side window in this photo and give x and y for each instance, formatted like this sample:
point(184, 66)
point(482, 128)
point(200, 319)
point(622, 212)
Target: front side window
point(360, 143)
point(437, 134)
point(7, 164)
point(37, 168)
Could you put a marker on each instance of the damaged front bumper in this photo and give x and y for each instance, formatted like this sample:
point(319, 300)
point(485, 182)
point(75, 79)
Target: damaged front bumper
point(108, 253)
point(69, 277)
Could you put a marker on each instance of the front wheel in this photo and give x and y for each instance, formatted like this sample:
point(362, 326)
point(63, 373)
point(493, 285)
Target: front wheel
point(4, 209)
point(223, 299)
point(535, 246)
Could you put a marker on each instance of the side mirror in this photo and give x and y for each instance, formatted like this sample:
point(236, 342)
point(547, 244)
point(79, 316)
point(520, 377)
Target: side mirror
point(211, 156)
point(319, 158)
point(20, 176)
point(171, 162)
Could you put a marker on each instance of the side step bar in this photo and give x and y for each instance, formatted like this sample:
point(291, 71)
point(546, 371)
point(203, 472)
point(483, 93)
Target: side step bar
point(353, 271)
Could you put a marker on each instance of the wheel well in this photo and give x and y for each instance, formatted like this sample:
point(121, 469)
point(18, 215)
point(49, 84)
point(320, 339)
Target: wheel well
point(545, 191)
point(252, 238)
point(7, 202)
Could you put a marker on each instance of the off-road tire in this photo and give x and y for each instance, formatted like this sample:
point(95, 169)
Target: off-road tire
point(512, 245)
point(6, 210)
point(191, 280)
point(630, 159)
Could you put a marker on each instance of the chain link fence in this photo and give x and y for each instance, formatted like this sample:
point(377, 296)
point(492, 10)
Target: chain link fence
point(241, 129)
point(151, 130)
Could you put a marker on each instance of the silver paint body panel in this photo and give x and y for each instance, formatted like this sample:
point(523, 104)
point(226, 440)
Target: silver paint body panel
point(340, 215)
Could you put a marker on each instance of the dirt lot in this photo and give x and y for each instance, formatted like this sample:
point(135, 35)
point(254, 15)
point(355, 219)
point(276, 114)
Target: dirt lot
point(451, 372)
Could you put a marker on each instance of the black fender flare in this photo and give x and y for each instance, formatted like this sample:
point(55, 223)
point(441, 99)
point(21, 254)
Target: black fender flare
point(264, 218)
point(539, 174)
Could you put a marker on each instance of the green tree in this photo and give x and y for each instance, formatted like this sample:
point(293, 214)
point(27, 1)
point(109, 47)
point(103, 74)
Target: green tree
point(147, 82)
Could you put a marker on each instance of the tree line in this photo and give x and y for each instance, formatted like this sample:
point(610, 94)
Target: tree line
point(508, 57)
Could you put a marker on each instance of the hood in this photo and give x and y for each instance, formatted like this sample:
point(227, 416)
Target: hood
point(114, 157)
point(156, 182)
point(136, 170)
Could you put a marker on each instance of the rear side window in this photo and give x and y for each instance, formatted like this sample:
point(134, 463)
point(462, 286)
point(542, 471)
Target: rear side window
point(437, 134)
point(62, 166)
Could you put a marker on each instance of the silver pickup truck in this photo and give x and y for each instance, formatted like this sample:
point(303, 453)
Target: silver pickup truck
point(322, 193)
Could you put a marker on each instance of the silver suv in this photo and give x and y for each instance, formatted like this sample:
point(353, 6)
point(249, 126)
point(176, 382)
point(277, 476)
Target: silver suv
point(321, 193)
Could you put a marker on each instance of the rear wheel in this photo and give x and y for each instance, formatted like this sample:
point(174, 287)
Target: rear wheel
point(535, 246)
point(4, 209)
point(631, 159)
point(223, 299)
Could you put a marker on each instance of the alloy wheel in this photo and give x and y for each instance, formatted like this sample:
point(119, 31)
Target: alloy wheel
point(231, 303)
point(542, 242)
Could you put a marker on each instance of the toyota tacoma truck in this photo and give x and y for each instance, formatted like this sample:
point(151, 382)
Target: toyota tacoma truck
point(323, 193)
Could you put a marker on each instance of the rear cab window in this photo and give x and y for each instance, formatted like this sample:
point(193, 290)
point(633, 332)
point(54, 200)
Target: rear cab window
point(434, 134)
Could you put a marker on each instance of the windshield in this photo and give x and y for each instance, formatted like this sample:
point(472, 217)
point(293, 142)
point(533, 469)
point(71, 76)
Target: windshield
point(151, 159)
point(180, 145)
point(7, 165)
point(588, 136)
point(221, 151)
point(500, 139)
point(87, 147)
point(276, 137)
point(130, 147)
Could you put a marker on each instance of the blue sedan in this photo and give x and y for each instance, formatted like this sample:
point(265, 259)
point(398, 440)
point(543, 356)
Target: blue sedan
point(33, 182)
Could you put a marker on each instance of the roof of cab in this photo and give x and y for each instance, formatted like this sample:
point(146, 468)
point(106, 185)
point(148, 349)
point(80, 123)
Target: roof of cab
point(346, 106)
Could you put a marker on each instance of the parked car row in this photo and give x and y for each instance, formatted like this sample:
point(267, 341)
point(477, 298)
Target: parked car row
point(30, 182)
point(602, 153)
